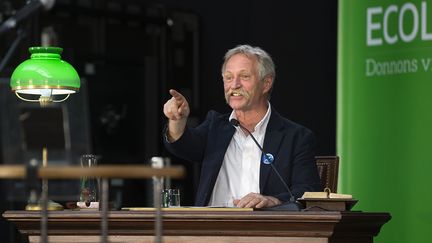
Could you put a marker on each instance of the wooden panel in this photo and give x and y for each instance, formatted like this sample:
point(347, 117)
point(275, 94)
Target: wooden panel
point(179, 239)
point(237, 226)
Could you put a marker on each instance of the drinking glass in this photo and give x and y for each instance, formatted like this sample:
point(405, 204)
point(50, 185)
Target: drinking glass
point(170, 198)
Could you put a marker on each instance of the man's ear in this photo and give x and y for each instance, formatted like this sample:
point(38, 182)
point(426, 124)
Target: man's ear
point(268, 83)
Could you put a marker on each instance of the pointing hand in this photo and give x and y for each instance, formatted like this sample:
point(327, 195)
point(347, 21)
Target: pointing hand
point(176, 108)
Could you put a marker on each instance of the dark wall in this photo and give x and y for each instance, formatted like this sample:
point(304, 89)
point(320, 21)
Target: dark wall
point(300, 36)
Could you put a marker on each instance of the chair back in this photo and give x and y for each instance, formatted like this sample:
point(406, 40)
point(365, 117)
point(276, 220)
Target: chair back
point(328, 169)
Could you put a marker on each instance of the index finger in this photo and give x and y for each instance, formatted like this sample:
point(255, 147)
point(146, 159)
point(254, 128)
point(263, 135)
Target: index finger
point(176, 95)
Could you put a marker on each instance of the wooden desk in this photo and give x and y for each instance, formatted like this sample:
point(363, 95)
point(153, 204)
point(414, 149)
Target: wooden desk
point(205, 226)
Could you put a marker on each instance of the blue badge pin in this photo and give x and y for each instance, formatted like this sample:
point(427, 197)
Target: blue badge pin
point(267, 158)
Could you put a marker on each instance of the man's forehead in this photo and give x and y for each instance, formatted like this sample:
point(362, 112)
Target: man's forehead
point(240, 62)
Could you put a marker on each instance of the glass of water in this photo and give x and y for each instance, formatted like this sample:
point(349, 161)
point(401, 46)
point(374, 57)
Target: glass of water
point(170, 198)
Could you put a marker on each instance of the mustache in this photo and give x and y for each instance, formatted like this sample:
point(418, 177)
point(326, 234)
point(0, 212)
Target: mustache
point(238, 91)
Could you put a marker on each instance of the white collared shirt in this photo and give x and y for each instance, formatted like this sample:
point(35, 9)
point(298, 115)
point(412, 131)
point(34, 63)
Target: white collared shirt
point(240, 170)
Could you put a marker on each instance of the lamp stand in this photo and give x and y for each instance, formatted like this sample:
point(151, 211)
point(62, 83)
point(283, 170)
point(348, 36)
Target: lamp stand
point(39, 206)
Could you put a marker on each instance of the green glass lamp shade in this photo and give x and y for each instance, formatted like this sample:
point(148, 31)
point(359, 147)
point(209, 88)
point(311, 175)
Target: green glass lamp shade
point(45, 74)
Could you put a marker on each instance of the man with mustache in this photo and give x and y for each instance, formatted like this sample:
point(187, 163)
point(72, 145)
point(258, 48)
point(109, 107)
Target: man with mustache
point(232, 172)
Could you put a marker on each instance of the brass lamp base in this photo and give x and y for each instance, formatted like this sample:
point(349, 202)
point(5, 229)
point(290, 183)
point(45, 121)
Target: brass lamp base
point(52, 206)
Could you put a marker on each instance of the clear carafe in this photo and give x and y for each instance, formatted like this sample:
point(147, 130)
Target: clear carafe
point(89, 186)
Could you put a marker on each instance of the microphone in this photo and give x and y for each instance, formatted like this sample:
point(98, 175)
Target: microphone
point(267, 158)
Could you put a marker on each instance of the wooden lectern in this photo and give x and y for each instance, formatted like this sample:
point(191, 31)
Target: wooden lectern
point(206, 225)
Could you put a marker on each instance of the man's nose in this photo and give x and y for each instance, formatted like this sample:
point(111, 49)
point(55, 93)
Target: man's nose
point(236, 83)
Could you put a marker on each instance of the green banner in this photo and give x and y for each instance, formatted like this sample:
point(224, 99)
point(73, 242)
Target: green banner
point(384, 124)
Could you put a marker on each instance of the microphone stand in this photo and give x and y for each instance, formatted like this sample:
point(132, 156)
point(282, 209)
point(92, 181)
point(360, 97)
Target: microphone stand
point(292, 204)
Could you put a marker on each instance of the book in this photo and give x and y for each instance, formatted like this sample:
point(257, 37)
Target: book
point(326, 200)
point(325, 194)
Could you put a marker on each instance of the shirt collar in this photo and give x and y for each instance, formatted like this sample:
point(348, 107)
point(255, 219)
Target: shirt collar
point(261, 125)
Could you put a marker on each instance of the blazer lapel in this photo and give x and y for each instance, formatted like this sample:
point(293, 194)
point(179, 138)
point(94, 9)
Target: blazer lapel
point(222, 137)
point(272, 141)
point(225, 134)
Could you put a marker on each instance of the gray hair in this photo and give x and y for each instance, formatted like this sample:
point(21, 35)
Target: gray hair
point(266, 66)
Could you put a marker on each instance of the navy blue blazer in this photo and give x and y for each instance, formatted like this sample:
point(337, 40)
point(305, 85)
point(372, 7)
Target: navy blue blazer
point(291, 144)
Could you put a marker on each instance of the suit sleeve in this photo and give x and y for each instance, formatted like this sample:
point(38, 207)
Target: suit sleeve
point(191, 145)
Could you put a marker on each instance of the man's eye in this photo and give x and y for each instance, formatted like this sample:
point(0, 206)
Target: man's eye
point(227, 78)
point(245, 77)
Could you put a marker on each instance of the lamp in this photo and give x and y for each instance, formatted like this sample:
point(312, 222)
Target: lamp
point(45, 75)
